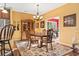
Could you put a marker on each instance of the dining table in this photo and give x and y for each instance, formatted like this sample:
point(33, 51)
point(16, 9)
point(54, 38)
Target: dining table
point(40, 41)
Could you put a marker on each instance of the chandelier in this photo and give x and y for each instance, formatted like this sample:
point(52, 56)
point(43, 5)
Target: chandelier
point(3, 8)
point(37, 16)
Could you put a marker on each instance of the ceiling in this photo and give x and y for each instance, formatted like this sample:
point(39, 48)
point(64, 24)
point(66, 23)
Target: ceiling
point(31, 7)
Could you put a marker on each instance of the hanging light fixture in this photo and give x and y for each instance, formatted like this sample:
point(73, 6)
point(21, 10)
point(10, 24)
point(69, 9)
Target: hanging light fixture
point(37, 16)
point(4, 9)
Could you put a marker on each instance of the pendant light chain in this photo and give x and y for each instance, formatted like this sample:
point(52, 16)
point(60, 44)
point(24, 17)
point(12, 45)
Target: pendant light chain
point(37, 16)
point(4, 5)
point(37, 9)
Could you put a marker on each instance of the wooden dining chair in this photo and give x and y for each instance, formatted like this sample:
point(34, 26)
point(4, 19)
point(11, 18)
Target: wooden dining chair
point(48, 40)
point(49, 37)
point(5, 37)
point(28, 38)
point(31, 39)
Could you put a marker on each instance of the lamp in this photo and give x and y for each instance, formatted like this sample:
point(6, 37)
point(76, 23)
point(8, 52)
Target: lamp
point(37, 16)
point(4, 9)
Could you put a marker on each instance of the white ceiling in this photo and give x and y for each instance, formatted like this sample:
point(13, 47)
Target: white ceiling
point(31, 7)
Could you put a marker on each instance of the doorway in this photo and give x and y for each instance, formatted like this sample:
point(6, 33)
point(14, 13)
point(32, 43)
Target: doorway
point(53, 23)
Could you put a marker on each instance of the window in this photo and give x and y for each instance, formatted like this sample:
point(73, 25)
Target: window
point(4, 22)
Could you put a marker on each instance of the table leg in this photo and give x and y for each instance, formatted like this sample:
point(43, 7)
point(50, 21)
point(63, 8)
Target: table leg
point(40, 42)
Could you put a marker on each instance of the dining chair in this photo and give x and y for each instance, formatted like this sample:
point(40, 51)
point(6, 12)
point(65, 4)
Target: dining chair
point(5, 37)
point(31, 39)
point(49, 37)
point(48, 40)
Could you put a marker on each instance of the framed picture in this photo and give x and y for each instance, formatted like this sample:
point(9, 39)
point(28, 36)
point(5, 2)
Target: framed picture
point(42, 24)
point(70, 20)
point(16, 23)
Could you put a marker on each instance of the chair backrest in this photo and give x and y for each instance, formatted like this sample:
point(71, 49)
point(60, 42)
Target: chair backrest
point(7, 32)
point(27, 33)
point(44, 32)
point(49, 34)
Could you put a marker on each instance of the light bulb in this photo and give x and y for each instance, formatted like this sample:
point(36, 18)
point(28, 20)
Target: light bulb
point(37, 16)
point(34, 16)
point(41, 17)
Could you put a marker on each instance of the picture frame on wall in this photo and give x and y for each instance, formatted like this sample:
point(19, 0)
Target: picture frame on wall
point(42, 24)
point(16, 23)
point(70, 20)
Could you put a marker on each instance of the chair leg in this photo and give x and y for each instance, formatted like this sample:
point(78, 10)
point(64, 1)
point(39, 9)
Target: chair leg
point(46, 46)
point(10, 48)
point(29, 44)
point(51, 46)
point(2, 48)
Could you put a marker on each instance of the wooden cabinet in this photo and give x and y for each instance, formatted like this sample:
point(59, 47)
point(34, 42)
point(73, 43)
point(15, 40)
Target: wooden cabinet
point(5, 15)
point(26, 25)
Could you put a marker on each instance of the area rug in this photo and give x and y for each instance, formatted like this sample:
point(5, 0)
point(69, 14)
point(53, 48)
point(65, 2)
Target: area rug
point(58, 50)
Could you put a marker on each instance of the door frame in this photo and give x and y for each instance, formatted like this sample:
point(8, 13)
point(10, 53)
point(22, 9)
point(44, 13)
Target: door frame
point(58, 40)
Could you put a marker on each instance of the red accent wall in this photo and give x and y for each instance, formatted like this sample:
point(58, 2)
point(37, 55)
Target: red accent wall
point(55, 20)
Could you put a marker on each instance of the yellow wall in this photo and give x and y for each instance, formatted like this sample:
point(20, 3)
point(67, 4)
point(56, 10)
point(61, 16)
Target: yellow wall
point(66, 33)
point(18, 16)
point(40, 29)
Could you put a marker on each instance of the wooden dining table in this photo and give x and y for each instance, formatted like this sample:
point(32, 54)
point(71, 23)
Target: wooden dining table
point(41, 38)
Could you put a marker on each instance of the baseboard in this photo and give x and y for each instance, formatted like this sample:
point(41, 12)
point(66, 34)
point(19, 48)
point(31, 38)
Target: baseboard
point(68, 45)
